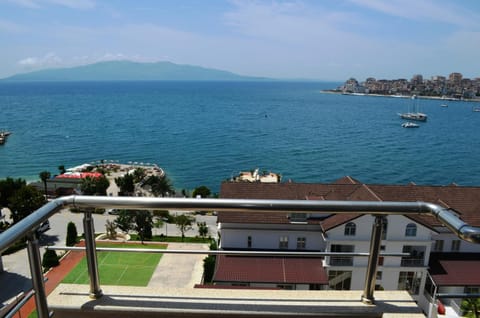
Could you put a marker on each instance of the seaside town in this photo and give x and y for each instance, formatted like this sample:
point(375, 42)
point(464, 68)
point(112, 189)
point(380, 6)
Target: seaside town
point(454, 87)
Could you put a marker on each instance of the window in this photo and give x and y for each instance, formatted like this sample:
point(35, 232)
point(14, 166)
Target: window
point(411, 229)
point(379, 275)
point(350, 229)
point(456, 245)
point(472, 289)
point(416, 257)
point(380, 260)
point(438, 246)
point(342, 260)
point(409, 281)
point(249, 241)
point(339, 280)
point(299, 217)
point(283, 244)
point(301, 242)
point(285, 286)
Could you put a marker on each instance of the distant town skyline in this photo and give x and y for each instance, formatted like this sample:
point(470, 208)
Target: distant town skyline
point(322, 40)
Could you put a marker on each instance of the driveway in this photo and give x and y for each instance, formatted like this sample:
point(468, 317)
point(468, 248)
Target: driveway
point(179, 270)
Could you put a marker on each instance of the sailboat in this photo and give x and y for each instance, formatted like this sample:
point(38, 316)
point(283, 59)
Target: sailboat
point(414, 114)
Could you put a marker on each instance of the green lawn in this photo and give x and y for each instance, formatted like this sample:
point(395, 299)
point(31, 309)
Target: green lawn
point(119, 268)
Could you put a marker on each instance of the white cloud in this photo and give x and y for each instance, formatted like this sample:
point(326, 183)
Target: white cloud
point(49, 60)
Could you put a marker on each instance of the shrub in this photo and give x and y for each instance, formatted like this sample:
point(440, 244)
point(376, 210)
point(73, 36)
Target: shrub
point(71, 234)
point(50, 259)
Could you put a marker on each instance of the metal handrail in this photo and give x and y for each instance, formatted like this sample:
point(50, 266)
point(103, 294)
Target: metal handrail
point(28, 225)
point(222, 252)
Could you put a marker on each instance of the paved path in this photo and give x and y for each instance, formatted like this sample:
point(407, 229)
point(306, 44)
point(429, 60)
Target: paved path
point(179, 270)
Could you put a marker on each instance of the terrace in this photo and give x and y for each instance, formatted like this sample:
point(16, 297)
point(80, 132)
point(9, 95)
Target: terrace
point(117, 301)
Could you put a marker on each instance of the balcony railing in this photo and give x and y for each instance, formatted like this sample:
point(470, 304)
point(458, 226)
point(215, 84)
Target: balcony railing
point(412, 262)
point(27, 227)
point(341, 261)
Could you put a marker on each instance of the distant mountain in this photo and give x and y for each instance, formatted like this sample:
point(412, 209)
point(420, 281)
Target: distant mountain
point(131, 71)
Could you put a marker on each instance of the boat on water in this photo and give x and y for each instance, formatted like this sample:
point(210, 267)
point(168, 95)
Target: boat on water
point(444, 105)
point(410, 125)
point(476, 109)
point(3, 136)
point(414, 114)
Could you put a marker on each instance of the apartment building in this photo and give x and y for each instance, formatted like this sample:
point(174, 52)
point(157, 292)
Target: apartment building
point(436, 256)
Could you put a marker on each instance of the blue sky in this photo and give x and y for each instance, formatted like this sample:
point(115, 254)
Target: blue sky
point(310, 39)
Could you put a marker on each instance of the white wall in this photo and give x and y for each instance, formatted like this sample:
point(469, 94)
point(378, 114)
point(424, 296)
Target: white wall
point(269, 239)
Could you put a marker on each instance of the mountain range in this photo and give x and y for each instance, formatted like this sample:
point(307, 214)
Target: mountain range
point(131, 71)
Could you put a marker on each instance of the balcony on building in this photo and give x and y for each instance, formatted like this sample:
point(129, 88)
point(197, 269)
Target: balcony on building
point(70, 300)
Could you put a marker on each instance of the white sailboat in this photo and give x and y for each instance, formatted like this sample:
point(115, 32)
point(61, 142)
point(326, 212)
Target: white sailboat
point(414, 114)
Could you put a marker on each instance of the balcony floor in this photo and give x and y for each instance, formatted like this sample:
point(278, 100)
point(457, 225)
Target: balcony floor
point(69, 300)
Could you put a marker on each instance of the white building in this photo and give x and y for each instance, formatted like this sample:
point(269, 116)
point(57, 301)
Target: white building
point(421, 236)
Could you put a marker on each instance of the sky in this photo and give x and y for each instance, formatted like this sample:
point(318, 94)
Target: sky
point(330, 40)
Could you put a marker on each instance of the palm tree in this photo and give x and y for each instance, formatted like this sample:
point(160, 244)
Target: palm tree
point(160, 185)
point(44, 176)
point(61, 169)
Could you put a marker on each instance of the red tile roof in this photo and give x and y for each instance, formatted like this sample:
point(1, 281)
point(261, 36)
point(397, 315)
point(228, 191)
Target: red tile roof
point(281, 270)
point(463, 200)
point(455, 269)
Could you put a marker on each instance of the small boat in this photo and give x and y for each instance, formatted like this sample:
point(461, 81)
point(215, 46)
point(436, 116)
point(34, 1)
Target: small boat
point(444, 105)
point(410, 125)
point(476, 109)
point(3, 136)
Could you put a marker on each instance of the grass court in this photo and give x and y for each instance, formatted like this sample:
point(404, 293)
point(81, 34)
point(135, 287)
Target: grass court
point(119, 268)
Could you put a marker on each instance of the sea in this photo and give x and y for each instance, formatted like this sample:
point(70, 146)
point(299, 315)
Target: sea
point(202, 133)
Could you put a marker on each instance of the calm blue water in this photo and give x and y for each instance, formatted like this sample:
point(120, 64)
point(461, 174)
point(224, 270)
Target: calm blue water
point(203, 133)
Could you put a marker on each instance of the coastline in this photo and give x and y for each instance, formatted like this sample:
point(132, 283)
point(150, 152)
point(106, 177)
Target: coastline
point(328, 91)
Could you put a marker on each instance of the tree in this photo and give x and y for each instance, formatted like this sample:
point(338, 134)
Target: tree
point(471, 307)
point(71, 234)
point(24, 201)
point(126, 184)
point(143, 224)
point(61, 169)
point(202, 229)
point(95, 186)
point(160, 185)
point(201, 191)
point(111, 228)
point(209, 264)
point(139, 174)
point(44, 176)
point(124, 221)
point(8, 187)
point(184, 223)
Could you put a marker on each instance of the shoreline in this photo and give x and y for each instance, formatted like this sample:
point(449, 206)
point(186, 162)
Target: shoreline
point(403, 96)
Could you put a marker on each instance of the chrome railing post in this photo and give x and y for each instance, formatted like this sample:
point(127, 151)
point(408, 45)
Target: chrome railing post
point(370, 276)
point(91, 254)
point(35, 261)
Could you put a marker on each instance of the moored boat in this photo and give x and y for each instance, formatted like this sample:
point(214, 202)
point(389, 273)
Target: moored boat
point(410, 125)
point(3, 136)
point(414, 114)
